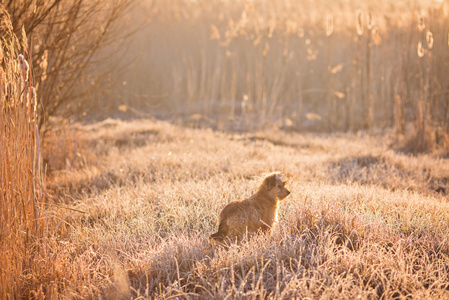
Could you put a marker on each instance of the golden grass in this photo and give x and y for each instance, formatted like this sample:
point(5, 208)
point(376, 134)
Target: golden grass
point(133, 202)
point(362, 220)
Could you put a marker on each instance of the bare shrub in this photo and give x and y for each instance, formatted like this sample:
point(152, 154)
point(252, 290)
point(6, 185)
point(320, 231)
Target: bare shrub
point(67, 37)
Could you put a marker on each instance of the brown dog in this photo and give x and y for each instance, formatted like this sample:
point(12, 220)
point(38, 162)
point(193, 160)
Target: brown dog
point(258, 212)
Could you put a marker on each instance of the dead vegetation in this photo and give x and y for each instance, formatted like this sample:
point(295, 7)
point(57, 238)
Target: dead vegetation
point(350, 227)
point(128, 205)
point(22, 222)
point(339, 66)
point(65, 41)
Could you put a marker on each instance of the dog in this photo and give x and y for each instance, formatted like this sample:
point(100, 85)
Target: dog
point(257, 213)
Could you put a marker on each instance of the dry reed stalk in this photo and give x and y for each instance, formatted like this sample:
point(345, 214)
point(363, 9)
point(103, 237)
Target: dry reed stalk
point(19, 155)
point(399, 115)
point(276, 55)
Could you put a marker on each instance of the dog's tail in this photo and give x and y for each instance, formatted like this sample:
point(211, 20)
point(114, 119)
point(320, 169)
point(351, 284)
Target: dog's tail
point(216, 236)
point(220, 235)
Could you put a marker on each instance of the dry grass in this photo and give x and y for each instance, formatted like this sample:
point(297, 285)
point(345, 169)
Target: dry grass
point(132, 203)
point(362, 220)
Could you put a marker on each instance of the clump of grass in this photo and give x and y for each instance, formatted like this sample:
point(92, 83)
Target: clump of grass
point(61, 149)
point(421, 140)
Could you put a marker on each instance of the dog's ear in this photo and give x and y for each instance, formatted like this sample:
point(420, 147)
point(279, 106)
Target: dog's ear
point(270, 182)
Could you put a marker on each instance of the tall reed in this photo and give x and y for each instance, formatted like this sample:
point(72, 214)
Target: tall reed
point(20, 184)
point(340, 66)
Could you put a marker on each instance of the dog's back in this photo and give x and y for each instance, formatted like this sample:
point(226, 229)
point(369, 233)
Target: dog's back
point(236, 219)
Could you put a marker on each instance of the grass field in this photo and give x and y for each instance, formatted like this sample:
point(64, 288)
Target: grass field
point(349, 99)
point(135, 206)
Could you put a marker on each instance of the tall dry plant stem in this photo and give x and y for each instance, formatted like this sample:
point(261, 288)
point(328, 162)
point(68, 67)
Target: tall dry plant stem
point(20, 196)
point(306, 66)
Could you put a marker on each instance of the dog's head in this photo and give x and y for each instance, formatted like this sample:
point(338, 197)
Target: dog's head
point(274, 185)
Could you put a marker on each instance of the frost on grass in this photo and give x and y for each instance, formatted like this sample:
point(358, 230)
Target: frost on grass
point(360, 221)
